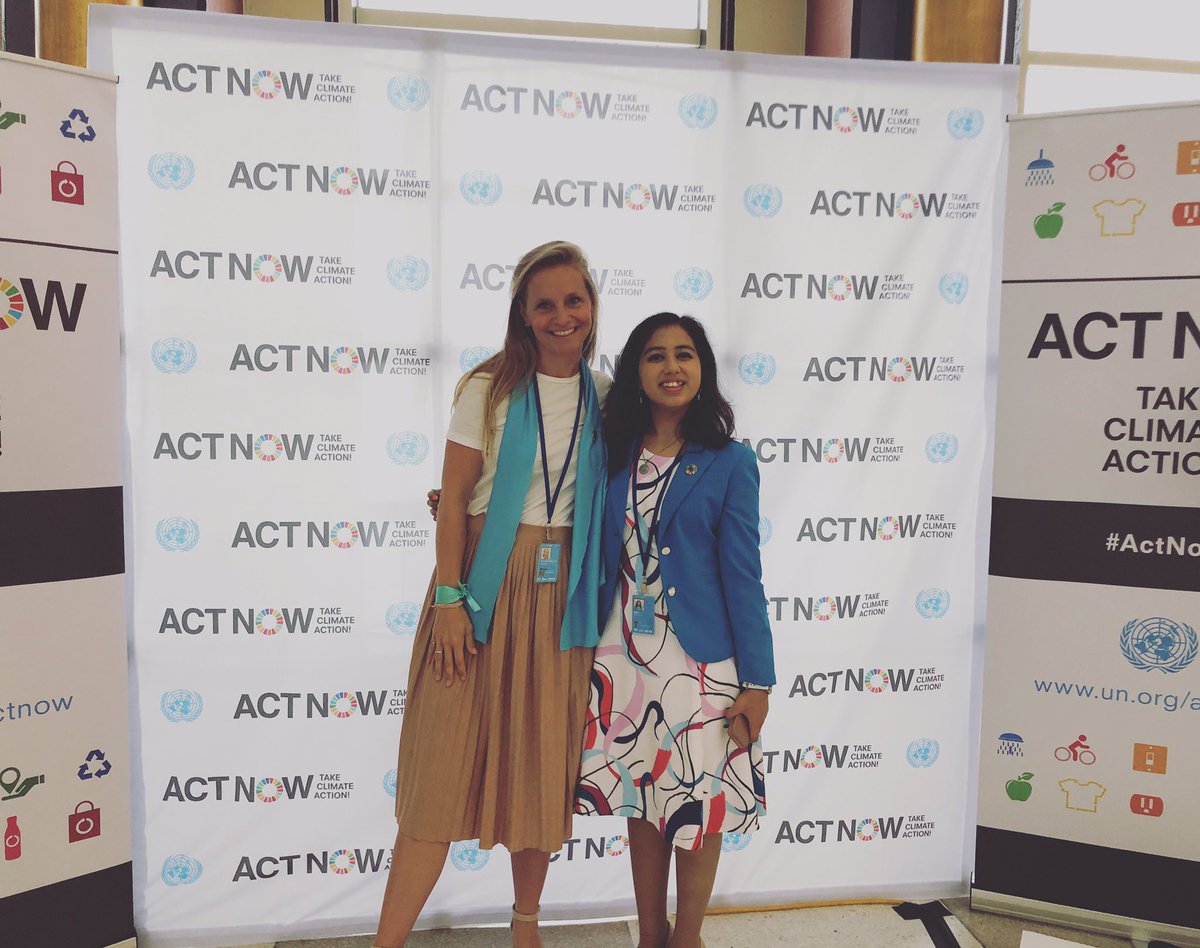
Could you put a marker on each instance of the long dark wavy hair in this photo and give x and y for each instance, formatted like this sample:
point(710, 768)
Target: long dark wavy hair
point(709, 419)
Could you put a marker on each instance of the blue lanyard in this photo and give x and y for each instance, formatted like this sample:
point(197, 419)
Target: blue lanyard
point(552, 500)
point(644, 546)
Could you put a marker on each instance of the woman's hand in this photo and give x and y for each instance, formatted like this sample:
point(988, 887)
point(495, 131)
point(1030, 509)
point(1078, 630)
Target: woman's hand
point(752, 704)
point(434, 500)
point(453, 639)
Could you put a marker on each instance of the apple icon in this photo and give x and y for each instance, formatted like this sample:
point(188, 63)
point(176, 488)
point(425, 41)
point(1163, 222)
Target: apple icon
point(1048, 225)
point(1020, 788)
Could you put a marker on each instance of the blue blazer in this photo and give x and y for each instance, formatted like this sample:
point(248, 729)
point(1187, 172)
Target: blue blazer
point(708, 557)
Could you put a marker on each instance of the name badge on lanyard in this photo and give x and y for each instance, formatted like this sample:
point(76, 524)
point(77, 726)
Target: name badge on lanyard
point(549, 553)
point(643, 614)
point(642, 604)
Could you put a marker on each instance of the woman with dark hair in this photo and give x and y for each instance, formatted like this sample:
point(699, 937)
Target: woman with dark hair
point(497, 687)
point(685, 662)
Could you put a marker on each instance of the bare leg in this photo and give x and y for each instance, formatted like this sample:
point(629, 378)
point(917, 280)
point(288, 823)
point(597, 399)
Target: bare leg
point(695, 872)
point(416, 865)
point(650, 860)
point(529, 867)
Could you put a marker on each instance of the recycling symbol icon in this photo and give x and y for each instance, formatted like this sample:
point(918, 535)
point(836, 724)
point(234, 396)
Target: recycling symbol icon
point(94, 766)
point(76, 126)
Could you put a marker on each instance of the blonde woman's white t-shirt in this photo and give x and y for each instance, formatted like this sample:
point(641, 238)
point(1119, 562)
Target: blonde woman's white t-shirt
point(559, 400)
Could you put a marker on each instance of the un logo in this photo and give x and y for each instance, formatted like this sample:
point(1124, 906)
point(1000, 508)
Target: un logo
point(466, 856)
point(735, 842)
point(171, 171)
point(408, 273)
point(964, 123)
point(473, 356)
point(408, 447)
point(698, 111)
point(932, 603)
point(953, 287)
point(923, 752)
point(941, 447)
point(181, 869)
point(177, 534)
point(173, 356)
point(480, 188)
point(389, 783)
point(408, 93)
point(181, 706)
point(762, 200)
point(756, 368)
point(693, 283)
point(1158, 643)
point(402, 617)
point(765, 531)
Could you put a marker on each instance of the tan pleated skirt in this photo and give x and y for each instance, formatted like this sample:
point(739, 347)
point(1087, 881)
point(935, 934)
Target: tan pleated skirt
point(496, 758)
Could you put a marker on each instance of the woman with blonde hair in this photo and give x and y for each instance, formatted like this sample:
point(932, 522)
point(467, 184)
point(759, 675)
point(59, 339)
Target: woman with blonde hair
point(498, 684)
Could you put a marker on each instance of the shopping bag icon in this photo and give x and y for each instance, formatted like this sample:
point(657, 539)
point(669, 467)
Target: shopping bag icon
point(84, 823)
point(66, 187)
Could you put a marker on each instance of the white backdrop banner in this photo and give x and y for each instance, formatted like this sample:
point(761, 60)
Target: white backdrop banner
point(1088, 789)
point(320, 224)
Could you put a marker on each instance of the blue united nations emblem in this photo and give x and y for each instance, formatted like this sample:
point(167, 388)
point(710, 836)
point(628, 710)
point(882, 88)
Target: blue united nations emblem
point(389, 783)
point(171, 171)
point(756, 368)
point(964, 123)
point(765, 531)
point(941, 447)
point(954, 286)
point(735, 842)
point(408, 93)
point(693, 283)
point(466, 856)
point(473, 356)
point(181, 706)
point(481, 188)
point(408, 447)
point(923, 752)
point(762, 200)
point(408, 273)
point(402, 617)
point(181, 869)
point(173, 356)
point(1158, 643)
point(933, 603)
point(698, 111)
point(177, 534)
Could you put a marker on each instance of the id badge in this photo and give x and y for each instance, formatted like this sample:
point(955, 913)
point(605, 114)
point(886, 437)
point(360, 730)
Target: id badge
point(643, 614)
point(547, 562)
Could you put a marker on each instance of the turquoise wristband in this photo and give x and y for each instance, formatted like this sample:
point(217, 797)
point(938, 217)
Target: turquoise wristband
point(448, 595)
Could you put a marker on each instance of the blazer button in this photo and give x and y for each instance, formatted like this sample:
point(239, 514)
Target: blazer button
point(666, 550)
point(670, 590)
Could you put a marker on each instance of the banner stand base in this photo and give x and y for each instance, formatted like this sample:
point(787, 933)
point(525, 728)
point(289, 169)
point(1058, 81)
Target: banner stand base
point(1136, 929)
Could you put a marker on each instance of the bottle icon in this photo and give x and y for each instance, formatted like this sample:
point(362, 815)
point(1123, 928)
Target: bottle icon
point(12, 840)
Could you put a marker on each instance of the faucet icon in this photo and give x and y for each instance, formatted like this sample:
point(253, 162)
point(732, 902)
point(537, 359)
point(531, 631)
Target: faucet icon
point(15, 786)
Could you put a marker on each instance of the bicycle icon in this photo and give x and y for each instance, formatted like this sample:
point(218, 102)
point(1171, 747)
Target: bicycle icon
point(1078, 751)
point(1116, 165)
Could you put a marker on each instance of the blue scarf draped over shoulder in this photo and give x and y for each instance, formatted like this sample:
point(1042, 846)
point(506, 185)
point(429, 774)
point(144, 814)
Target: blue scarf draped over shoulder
point(514, 470)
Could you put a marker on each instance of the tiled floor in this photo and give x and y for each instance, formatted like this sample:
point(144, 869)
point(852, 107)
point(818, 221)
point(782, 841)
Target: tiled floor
point(877, 926)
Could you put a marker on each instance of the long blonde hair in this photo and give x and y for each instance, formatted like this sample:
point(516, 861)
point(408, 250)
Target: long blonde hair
point(514, 365)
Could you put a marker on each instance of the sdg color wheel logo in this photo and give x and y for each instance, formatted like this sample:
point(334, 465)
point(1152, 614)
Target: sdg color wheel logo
point(923, 752)
point(408, 93)
point(1159, 643)
point(408, 447)
point(402, 617)
point(474, 356)
point(964, 123)
point(756, 368)
point(932, 603)
point(181, 707)
point(466, 856)
point(181, 869)
point(762, 200)
point(173, 356)
point(408, 273)
point(171, 171)
point(481, 188)
point(177, 534)
point(941, 447)
point(698, 111)
point(953, 287)
point(12, 306)
point(693, 283)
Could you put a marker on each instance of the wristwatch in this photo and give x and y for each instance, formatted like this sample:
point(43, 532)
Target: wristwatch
point(751, 686)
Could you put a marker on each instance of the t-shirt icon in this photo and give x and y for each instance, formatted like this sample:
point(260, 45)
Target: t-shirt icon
point(1118, 220)
point(1082, 796)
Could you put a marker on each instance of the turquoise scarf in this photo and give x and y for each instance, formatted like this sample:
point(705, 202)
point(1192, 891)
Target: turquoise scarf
point(514, 468)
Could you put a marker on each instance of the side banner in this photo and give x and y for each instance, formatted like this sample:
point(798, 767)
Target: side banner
point(1090, 774)
point(318, 231)
point(66, 872)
